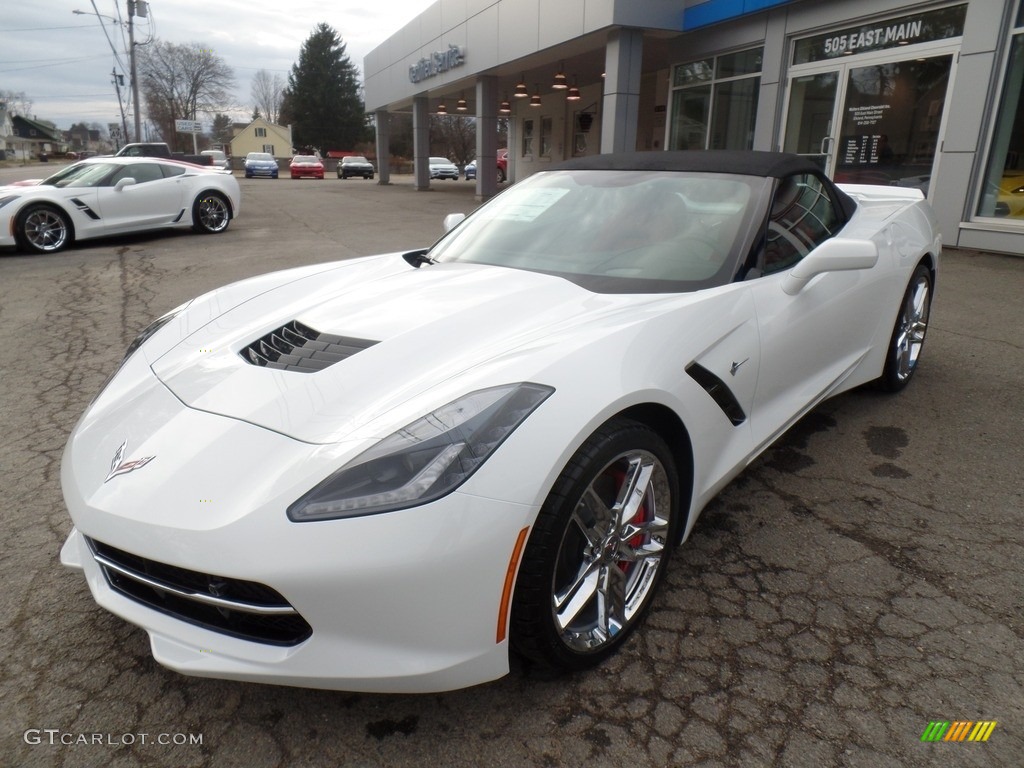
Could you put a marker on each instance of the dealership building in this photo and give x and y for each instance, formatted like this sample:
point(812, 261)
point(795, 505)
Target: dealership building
point(918, 94)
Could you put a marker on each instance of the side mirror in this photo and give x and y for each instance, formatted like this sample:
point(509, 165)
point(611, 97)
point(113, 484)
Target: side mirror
point(834, 255)
point(452, 220)
point(122, 183)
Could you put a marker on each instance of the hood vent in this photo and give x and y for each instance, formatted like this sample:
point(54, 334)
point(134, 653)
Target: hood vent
point(297, 347)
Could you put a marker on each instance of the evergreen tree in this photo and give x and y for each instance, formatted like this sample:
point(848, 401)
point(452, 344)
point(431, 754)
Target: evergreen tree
point(323, 99)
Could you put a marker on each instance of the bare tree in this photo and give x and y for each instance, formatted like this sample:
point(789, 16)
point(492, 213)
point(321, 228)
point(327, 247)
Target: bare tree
point(17, 102)
point(454, 137)
point(267, 95)
point(182, 81)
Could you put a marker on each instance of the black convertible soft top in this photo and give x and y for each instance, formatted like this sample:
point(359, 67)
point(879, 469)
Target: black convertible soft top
point(768, 164)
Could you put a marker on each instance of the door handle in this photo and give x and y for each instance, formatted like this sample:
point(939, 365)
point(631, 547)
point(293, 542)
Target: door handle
point(826, 146)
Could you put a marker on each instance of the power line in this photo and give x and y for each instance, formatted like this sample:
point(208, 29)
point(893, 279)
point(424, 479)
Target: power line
point(60, 63)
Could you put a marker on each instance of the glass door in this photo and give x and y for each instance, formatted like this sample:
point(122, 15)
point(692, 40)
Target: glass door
point(891, 122)
point(877, 122)
point(812, 116)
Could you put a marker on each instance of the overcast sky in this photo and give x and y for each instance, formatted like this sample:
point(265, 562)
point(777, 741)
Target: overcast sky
point(63, 62)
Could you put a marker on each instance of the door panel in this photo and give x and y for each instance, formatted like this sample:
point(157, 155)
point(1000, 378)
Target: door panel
point(141, 205)
point(810, 342)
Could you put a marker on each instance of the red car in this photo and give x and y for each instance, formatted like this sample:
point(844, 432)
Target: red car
point(502, 165)
point(306, 165)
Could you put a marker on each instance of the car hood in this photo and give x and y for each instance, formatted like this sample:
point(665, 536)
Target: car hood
point(432, 328)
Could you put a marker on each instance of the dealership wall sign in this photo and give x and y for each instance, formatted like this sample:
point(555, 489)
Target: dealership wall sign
point(436, 63)
point(906, 30)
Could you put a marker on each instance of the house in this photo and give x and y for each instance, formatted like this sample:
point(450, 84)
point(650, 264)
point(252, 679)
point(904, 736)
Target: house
point(261, 136)
point(81, 138)
point(34, 139)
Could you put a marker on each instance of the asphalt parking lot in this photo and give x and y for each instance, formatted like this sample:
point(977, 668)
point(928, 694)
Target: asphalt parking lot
point(862, 579)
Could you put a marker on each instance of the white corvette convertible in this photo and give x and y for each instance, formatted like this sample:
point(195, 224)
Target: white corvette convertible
point(105, 196)
point(388, 473)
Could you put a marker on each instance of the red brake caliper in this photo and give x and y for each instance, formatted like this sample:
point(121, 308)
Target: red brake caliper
point(639, 517)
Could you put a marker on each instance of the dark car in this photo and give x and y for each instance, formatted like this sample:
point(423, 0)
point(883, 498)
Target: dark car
point(354, 165)
point(260, 164)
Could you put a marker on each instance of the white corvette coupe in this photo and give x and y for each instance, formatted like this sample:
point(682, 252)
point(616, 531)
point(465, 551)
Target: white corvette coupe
point(388, 473)
point(105, 196)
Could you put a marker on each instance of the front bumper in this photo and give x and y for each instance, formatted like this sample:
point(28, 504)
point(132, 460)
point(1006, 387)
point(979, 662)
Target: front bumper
point(406, 601)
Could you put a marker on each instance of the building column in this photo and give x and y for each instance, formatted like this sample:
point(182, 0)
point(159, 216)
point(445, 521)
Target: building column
point(383, 123)
point(421, 142)
point(486, 137)
point(623, 57)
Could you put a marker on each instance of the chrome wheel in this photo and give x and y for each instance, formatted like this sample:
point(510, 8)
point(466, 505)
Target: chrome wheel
point(212, 213)
point(909, 332)
point(597, 550)
point(44, 230)
point(912, 326)
point(611, 551)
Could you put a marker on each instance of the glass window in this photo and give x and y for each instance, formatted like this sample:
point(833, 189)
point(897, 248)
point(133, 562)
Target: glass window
point(889, 132)
point(802, 217)
point(141, 172)
point(172, 170)
point(742, 63)
point(694, 72)
point(616, 231)
point(527, 138)
point(1002, 195)
point(714, 102)
point(545, 137)
point(735, 114)
point(261, 132)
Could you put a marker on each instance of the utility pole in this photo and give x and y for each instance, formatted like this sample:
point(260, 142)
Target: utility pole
point(134, 73)
point(118, 82)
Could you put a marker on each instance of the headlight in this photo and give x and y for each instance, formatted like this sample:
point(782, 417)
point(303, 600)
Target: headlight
point(424, 460)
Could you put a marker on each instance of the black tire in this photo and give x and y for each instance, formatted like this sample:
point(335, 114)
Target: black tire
point(583, 549)
point(211, 213)
point(43, 229)
point(907, 340)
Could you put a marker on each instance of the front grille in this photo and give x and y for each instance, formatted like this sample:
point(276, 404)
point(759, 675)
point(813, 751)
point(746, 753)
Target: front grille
point(233, 607)
point(297, 347)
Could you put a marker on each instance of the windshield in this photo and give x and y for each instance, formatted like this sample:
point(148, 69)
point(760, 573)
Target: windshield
point(616, 231)
point(82, 175)
point(304, 159)
point(258, 156)
point(351, 159)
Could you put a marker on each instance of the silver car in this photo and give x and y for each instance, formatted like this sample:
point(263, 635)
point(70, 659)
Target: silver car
point(443, 168)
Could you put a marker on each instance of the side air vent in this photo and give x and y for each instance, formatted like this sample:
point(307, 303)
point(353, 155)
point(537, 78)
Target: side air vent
point(297, 347)
point(719, 392)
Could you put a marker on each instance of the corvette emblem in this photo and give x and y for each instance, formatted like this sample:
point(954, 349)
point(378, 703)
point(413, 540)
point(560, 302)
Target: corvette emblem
point(120, 467)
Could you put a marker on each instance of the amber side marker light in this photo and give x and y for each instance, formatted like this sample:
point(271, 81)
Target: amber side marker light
point(510, 577)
